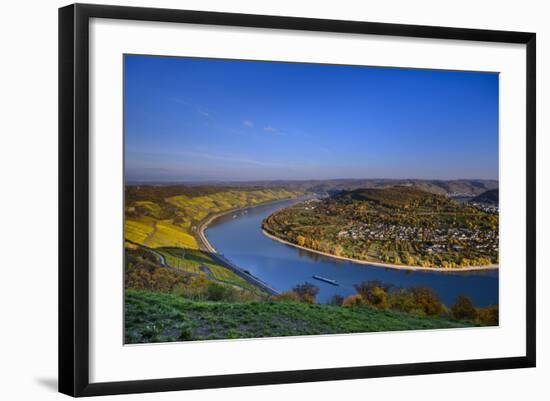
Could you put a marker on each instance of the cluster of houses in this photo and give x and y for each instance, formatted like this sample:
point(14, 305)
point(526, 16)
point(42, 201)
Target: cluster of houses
point(486, 207)
point(441, 239)
point(310, 204)
point(460, 195)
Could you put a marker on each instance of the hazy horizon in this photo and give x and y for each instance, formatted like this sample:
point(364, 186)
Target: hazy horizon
point(204, 120)
point(304, 180)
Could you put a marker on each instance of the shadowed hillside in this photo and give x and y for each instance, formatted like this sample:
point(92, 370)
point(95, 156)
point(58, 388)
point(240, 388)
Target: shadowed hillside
point(394, 197)
point(490, 197)
point(441, 187)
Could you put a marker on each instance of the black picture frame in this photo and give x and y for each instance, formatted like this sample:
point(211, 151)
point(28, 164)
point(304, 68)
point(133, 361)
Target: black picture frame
point(74, 198)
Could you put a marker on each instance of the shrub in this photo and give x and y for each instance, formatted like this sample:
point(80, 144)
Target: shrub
point(401, 300)
point(488, 316)
point(287, 296)
point(137, 278)
point(353, 301)
point(140, 276)
point(365, 287)
point(219, 292)
point(306, 292)
point(336, 300)
point(374, 293)
point(445, 312)
point(420, 300)
point(418, 312)
point(248, 296)
point(379, 298)
point(186, 334)
point(463, 309)
point(195, 287)
point(426, 300)
point(164, 280)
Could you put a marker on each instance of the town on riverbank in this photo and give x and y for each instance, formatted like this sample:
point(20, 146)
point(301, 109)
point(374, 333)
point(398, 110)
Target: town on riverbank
point(398, 227)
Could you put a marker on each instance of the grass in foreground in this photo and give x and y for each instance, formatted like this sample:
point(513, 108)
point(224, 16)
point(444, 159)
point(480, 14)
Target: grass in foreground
point(156, 317)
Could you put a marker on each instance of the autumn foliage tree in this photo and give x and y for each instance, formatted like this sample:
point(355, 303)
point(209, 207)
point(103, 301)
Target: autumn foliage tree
point(290, 296)
point(374, 292)
point(464, 309)
point(427, 301)
point(336, 300)
point(488, 316)
point(306, 292)
point(353, 301)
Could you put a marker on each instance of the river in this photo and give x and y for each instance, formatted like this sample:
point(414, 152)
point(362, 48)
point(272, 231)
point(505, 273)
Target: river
point(240, 239)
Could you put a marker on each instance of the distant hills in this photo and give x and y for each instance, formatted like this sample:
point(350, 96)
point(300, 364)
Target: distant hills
point(463, 187)
point(490, 196)
point(393, 197)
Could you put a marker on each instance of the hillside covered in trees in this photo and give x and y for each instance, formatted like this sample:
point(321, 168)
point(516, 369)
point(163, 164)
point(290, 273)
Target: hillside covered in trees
point(451, 188)
point(400, 225)
point(490, 196)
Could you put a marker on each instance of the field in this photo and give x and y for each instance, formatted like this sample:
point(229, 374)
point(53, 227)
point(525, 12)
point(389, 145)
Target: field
point(155, 317)
point(161, 224)
point(168, 217)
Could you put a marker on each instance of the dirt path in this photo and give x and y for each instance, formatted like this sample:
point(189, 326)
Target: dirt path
point(203, 268)
point(151, 234)
point(162, 259)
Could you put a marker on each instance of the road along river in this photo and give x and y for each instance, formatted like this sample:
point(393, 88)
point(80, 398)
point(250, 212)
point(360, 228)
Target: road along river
point(239, 238)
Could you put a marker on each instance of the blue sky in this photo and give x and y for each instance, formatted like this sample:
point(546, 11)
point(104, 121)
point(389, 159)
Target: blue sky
point(216, 120)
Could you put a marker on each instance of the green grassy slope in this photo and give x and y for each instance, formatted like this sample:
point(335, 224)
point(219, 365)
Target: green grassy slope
point(156, 317)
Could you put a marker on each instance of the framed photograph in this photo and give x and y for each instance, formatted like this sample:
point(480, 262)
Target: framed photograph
point(251, 199)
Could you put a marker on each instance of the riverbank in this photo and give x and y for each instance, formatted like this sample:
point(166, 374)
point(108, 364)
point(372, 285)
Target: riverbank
point(203, 225)
point(205, 245)
point(380, 264)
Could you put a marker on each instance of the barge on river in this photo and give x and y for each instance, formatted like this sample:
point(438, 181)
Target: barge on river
point(326, 280)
